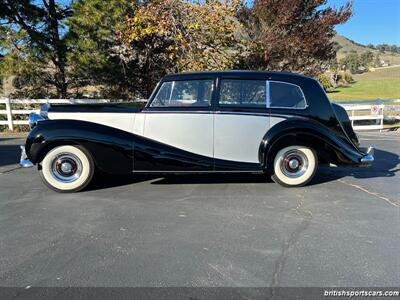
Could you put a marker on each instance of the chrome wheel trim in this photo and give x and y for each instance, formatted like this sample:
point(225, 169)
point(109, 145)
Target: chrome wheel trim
point(66, 167)
point(294, 164)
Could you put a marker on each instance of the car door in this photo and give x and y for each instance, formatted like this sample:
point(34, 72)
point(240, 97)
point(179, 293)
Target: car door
point(241, 121)
point(180, 120)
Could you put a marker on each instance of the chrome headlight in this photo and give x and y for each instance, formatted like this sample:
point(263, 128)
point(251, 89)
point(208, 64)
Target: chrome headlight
point(33, 119)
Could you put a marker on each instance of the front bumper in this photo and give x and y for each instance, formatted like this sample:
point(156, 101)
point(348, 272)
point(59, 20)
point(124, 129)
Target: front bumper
point(368, 158)
point(24, 161)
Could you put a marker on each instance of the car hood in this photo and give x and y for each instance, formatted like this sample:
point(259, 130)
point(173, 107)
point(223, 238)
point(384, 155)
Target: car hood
point(124, 107)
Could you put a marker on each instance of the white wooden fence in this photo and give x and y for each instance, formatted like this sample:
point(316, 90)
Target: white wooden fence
point(356, 112)
point(365, 112)
point(10, 112)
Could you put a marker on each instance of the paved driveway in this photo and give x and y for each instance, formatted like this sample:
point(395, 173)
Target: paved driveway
point(222, 230)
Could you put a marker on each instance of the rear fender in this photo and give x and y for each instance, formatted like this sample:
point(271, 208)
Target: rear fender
point(328, 146)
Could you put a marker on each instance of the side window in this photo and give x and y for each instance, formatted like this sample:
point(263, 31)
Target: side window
point(285, 95)
point(243, 93)
point(185, 93)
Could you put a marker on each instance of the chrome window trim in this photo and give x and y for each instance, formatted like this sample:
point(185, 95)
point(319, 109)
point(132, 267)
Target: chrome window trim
point(255, 171)
point(170, 94)
point(283, 107)
point(267, 94)
point(161, 83)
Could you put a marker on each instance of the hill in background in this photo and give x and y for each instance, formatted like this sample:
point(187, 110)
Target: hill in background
point(348, 46)
point(378, 83)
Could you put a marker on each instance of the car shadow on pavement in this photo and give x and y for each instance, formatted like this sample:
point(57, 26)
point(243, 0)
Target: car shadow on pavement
point(102, 181)
point(214, 178)
point(386, 164)
point(9, 154)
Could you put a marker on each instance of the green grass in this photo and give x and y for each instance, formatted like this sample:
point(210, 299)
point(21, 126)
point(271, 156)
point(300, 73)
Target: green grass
point(368, 90)
point(380, 84)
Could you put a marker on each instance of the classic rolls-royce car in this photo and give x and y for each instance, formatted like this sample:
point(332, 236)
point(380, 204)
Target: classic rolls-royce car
point(279, 124)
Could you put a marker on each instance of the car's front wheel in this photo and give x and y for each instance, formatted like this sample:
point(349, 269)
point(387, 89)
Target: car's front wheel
point(294, 166)
point(67, 168)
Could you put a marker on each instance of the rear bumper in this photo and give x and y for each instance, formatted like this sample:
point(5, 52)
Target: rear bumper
point(368, 158)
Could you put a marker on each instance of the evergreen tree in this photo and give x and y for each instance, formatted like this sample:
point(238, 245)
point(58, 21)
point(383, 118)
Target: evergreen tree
point(95, 46)
point(33, 42)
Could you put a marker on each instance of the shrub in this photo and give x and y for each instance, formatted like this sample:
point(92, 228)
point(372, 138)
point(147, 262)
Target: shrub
point(347, 77)
point(325, 81)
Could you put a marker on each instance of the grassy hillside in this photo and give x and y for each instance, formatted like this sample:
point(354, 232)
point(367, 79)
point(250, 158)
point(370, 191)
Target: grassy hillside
point(348, 46)
point(383, 83)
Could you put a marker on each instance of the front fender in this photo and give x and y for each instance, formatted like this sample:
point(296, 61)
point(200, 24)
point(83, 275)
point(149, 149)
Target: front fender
point(308, 132)
point(111, 148)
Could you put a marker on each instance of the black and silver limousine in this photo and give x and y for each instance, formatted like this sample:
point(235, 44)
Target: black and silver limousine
point(279, 124)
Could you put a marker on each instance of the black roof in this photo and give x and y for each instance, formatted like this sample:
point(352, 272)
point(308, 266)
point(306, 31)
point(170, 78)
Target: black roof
point(236, 74)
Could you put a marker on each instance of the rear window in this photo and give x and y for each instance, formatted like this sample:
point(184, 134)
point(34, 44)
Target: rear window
point(286, 95)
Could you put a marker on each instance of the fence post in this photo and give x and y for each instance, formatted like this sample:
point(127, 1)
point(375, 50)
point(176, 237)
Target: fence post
point(9, 114)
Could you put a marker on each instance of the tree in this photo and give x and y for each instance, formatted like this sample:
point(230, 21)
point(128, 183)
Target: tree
point(366, 58)
point(292, 35)
point(377, 61)
point(336, 46)
point(34, 37)
point(333, 71)
point(370, 46)
point(382, 48)
point(123, 47)
point(178, 35)
point(94, 41)
point(351, 62)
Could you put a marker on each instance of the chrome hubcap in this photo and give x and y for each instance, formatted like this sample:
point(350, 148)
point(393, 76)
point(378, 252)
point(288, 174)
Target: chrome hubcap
point(66, 168)
point(294, 164)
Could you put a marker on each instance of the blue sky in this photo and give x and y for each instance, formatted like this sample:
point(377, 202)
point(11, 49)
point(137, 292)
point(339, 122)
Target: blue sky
point(373, 21)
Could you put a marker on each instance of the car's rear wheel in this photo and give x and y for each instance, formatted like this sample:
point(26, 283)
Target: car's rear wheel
point(67, 168)
point(294, 166)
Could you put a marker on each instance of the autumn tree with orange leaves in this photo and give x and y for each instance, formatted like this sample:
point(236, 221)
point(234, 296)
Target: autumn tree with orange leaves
point(170, 36)
point(282, 35)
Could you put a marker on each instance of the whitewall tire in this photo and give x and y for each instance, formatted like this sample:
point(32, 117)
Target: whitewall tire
point(294, 166)
point(67, 168)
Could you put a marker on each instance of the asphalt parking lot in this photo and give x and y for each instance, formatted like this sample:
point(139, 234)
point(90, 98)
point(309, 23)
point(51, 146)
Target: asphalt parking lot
point(203, 230)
